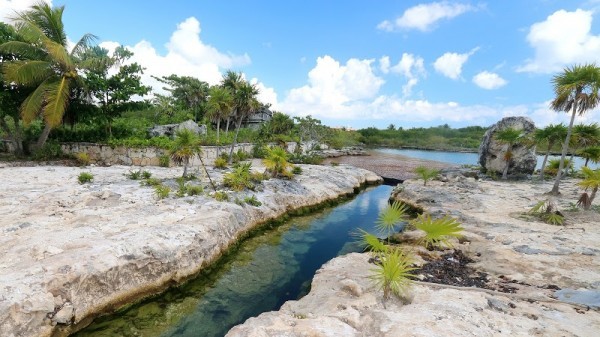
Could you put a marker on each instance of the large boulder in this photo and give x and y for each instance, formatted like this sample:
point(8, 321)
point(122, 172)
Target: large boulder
point(491, 152)
point(170, 130)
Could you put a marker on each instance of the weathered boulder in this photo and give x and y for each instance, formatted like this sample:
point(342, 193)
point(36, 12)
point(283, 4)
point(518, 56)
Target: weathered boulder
point(491, 152)
point(171, 129)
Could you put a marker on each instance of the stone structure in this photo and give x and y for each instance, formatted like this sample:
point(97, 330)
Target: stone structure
point(491, 152)
point(170, 130)
point(262, 115)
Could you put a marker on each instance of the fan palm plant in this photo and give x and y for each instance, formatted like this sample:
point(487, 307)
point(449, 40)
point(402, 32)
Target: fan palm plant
point(510, 137)
point(576, 90)
point(549, 135)
point(391, 217)
point(438, 232)
point(394, 273)
point(590, 181)
point(426, 173)
point(276, 161)
point(43, 62)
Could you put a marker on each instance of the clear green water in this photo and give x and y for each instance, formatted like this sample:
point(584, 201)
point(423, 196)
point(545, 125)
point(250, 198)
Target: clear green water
point(267, 270)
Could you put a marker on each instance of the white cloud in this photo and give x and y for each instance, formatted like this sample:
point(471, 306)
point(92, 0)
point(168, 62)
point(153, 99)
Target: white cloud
point(562, 39)
point(186, 55)
point(333, 87)
point(9, 7)
point(384, 64)
point(488, 80)
point(450, 64)
point(411, 67)
point(424, 16)
point(265, 94)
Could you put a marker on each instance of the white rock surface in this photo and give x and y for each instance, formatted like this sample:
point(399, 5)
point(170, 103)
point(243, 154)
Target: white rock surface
point(344, 302)
point(69, 251)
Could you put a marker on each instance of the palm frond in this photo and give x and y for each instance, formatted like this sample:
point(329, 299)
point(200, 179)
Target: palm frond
point(591, 178)
point(28, 72)
point(33, 104)
point(22, 49)
point(58, 54)
point(57, 96)
point(438, 232)
point(391, 217)
point(83, 44)
point(371, 242)
point(394, 274)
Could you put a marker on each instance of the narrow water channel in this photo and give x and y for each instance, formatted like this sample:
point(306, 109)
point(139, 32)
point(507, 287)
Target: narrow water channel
point(267, 270)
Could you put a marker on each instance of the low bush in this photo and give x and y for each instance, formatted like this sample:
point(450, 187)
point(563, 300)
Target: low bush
point(252, 201)
point(50, 150)
point(239, 178)
point(162, 191)
point(164, 161)
point(82, 158)
point(85, 177)
point(221, 196)
point(221, 163)
point(146, 175)
point(297, 170)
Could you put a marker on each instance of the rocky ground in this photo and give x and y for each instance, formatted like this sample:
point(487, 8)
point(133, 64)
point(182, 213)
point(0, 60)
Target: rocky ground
point(69, 251)
point(387, 165)
point(541, 279)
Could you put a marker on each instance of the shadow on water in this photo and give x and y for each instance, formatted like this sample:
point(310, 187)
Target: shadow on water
point(267, 270)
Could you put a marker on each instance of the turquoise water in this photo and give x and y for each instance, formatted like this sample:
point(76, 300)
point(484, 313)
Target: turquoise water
point(466, 158)
point(267, 270)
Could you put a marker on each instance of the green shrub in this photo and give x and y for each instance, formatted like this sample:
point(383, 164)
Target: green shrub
point(252, 201)
point(146, 175)
point(50, 150)
point(162, 191)
point(152, 182)
point(221, 196)
point(82, 158)
point(553, 164)
point(221, 163)
point(85, 177)
point(297, 170)
point(194, 190)
point(240, 178)
point(134, 175)
point(426, 173)
point(259, 150)
point(164, 161)
point(313, 159)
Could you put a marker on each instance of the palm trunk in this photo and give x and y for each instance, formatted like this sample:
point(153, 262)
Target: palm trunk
point(593, 196)
point(571, 163)
point(218, 143)
point(227, 125)
point(586, 162)
point(185, 166)
point(237, 131)
point(561, 165)
point(505, 172)
point(544, 163)
point(43, 137)
point(208, 175)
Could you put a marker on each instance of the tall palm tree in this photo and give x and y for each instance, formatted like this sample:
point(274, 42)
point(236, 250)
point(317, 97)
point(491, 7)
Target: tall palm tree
point(549, 135)
point(44, 62)
point(231, 80)
point(220, 103)
point(576, 90)
point(510, 137)
point(245, 103)
point(590, 153)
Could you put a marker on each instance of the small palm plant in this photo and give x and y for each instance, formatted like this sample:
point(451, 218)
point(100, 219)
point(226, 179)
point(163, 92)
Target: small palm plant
point(394, 273)
point(185, 148)
point(438, 232)
point(240, 178)
point(510, 137)
point(390, 218)
point(591, 181)
point(547, 211)
point(426, 173)
point(276, 162)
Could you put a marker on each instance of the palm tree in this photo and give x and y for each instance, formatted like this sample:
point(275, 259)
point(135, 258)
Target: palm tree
point(591, 181)
point(549, 135)
point(44, 62)
point(584, 136)
point(245, 103)
point(232, 81)
point(185, 147)
point(576, 90)
point(590, 153)
point(220, 103)
point(510, 137)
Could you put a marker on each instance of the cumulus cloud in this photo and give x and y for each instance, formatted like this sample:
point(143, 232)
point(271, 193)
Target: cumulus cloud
point(563, 38)
point(450, 64)
point(424, 16)
point(9, 7)
point(488, 80)
point(384, 64)
point(333, 87)
point(412, 68)
point(187, 55)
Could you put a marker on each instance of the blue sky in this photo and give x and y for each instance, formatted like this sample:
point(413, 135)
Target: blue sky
point(360, 63)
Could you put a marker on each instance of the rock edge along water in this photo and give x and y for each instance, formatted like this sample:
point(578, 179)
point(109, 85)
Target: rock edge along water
point(72, 251)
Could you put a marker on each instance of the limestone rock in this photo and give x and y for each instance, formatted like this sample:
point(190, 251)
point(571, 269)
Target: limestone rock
point(171, 129)
point(491, 152)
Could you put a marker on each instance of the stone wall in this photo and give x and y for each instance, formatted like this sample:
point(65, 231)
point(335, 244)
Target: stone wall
point(121, 155)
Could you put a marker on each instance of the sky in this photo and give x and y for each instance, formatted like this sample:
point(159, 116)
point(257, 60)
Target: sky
point(359, 63)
